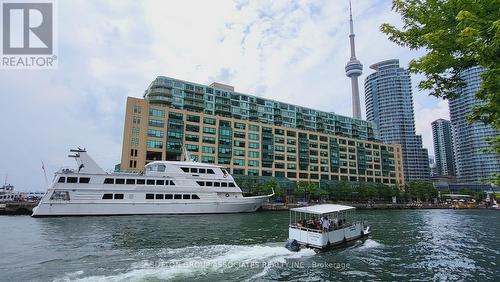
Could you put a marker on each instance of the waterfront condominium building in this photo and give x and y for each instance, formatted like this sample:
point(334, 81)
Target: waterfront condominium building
point(473, 164)
point(252, 136)
point(443, 147)
point(389, 105)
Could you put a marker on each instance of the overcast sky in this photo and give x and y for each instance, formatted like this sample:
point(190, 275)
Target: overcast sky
point(289, 51)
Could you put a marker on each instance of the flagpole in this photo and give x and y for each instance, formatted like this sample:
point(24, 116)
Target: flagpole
point(45, 175)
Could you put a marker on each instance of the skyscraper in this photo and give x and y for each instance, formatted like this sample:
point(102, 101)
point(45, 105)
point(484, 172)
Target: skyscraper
point(353, 70)
point(389, 105)
point(443, 147)
point(473, 164)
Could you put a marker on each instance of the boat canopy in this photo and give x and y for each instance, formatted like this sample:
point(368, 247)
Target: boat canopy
point(323, 209)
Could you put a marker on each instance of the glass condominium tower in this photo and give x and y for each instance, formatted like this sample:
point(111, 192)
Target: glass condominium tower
point(252, 135)
point(389, 105)
point(473, 164)
point(443, 147)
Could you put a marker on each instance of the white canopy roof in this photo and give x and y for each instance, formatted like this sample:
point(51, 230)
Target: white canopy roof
point(323, 209)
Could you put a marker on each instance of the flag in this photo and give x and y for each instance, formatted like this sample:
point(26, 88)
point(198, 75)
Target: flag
point(43, 166)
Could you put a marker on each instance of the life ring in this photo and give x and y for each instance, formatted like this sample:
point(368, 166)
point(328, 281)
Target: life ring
point(227, 194)
point(225, 175)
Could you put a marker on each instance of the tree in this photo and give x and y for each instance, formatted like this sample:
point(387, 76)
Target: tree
point(457, 35)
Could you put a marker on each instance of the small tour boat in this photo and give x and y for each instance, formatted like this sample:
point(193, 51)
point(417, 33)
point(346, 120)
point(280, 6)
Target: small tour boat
point(324, 226)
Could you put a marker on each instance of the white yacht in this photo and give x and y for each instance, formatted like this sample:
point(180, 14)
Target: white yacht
point(165, 187)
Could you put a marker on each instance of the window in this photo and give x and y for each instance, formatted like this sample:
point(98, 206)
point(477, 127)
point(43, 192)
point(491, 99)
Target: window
point(202, 170)
point(193, 118)
point(253, 136)
point(209, 184)
point(239, 125)
point(231, 184)
point(201, 183)
point(154, 144)
point(216, 184)
point(63, 179)
point(253, 145)
point(192, 148)
point(160, 182)
point(107, 196)
point(192, 128)
point(209, 130)
point(141, 181)
point(253, 154)
point(156, 123)
point(186, 197)
point(118, 196)
point(210, 171)
point(120, 181)
point(159, 196)
point(177, 196)
point(209, 121)
point(156, 113)
point(150, 182)
point(155, 133)
point(252, 127)
point(195, 197)
point(208, 140)
point(168, 196)
point(193, 170)
point(130, 181)
point(223, 184)
point(72, 179)
point(171, 182)
point(149, 196)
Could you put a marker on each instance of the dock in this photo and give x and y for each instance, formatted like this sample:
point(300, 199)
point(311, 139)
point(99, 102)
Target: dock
point(17, 208)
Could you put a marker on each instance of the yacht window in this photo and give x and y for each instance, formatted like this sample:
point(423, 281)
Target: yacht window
point(151, 182)
point(72, 179)
point(84, 179)
point(185, 169)
point(208, 183)
point(120, 181)
point(195, 197)
point(150, 196)
point(186, 197)
point(161, 168)
point(231, 184)
point(172, 183)
point(223, 184)
point(160, 182)
point(141, 181)
point(210, 171)
point(216, 184)
point(194, 170)
point(201, 183)
point(177, 196)
point(60, 195)
point(159, 196)
point(109, 181)
point(118, 196)
point(130, 181)
point(202, 170)
point(107, 196)
point(61, 179)
point(168, 196)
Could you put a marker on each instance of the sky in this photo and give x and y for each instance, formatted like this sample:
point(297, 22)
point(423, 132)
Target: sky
point(291, 51)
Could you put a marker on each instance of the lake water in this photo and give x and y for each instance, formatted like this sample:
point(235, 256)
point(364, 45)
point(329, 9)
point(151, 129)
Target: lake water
point(406, 245)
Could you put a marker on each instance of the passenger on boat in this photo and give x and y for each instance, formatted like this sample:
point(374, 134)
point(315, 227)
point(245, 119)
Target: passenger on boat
point(326, 225)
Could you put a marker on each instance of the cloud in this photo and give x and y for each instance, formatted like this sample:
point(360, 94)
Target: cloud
point(276, 49)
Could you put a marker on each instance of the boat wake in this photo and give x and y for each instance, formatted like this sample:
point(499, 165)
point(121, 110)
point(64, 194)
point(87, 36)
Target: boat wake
point(200, 261)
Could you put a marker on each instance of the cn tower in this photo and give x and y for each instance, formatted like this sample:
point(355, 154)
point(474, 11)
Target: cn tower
point(353, 70)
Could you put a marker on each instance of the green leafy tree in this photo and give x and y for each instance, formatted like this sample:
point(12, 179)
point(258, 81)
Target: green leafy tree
point(457, 35)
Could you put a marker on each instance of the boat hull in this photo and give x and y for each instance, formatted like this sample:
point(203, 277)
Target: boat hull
point(142, 208)
point(326, 240)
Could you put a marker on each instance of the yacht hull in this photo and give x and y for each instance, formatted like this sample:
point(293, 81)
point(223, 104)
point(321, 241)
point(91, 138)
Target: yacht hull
point(142, 208)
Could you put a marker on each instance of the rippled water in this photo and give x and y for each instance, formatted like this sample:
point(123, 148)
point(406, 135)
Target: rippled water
point(405, 245)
